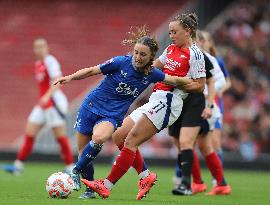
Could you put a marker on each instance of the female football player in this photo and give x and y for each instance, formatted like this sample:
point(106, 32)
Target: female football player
point(103, 110)
point(50, 109)
point(181, 58)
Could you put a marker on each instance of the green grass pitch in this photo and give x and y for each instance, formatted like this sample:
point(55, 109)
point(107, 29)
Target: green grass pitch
point(248, 188)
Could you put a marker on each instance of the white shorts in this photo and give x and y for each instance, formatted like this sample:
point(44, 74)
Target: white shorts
point(163, 108)
point(216, 115)
point(52, 116)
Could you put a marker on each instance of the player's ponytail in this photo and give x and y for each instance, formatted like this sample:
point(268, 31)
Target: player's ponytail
point(142, 35)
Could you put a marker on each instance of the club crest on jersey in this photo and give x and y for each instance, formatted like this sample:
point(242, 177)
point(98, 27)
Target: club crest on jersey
point(123, 74)
point(145, 81)
point(125, 89)
point(182, 56)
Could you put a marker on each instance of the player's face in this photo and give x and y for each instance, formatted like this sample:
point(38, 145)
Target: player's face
point(141, 55)
point(207, 44)
point(40, 49)
point(178, 34)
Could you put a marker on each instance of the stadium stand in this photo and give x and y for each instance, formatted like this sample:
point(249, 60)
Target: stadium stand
point(80, 33)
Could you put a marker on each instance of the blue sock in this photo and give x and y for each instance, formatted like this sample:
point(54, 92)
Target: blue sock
point(88, 172)
point(220, 155)
point(89, 153)
point(144, 166)
point(178, 171)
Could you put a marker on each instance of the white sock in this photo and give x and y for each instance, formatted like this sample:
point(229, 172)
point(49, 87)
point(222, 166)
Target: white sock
point(109, 185)
point(69, 167)
point(19, 164)
point(144, 174)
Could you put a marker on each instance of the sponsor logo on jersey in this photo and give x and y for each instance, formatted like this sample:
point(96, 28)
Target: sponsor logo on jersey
point(172, 64)
point(125, 89)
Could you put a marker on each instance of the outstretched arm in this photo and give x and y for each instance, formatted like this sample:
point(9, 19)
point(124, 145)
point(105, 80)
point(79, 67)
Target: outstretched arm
point(80, 74)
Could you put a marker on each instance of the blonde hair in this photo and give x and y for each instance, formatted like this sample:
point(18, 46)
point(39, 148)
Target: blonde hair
point(141, 35)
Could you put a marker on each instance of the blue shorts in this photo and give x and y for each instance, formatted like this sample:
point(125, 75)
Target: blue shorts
point(86, 121)
point(219, 124)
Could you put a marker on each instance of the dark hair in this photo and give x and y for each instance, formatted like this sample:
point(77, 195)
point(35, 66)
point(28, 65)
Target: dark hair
point(142, 36)
point(189, 21)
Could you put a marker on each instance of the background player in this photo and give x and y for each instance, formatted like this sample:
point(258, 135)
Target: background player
point(50, 109)
point(185, 130)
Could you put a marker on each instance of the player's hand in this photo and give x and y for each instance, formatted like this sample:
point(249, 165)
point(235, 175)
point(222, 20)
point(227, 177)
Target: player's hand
point(63, 80)
point(207, 113)
point(43, 101)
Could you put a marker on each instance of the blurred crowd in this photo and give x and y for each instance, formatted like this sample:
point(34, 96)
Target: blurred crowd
point(244, 41)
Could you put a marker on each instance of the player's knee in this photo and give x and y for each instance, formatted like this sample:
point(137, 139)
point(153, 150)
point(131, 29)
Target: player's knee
point(131, 141)
point(186, 143)
point(205, 149)
point(118, 138)
point(99, 138)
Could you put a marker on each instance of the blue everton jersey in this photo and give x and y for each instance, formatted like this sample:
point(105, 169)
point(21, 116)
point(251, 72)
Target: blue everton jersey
point(121, 86)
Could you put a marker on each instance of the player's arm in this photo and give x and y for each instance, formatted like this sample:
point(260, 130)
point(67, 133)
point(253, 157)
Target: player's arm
point(207, 112)
point(80, 74)
point(157, 63)
point(227, 85)
point(45, 98)
point(197, 85)
point(177, 81)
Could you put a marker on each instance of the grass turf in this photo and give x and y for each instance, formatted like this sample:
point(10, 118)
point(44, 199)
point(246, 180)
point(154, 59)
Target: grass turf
point(248, 188)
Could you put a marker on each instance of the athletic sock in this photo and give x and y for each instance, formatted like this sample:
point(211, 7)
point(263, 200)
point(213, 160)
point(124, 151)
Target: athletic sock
point(214, 165)
point(123, 162)
point(66, 151)
point(26, 148)
point(89, 153)
point(196, 170)
point(186, 163)
point(88, 172)
point(178, 169)
point(139, 164)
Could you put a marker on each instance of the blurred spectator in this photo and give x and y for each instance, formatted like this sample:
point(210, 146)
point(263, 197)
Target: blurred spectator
point(244, 41)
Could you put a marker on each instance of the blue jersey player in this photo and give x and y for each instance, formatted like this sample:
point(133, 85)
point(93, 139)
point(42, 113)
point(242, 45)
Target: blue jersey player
point(104, 108)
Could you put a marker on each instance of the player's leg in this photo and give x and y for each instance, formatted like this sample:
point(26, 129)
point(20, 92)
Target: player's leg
point(216, 140)
point(119, 137)
point(197, 185)
point(56, 120)
point(214, 164)
point(153, 116)
point(88, 171)
point(34, 124)
point(174, 131)
point(143, 130)
point(101, 133)
point(187, 139)
point(65, 146)
point(178, 168)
